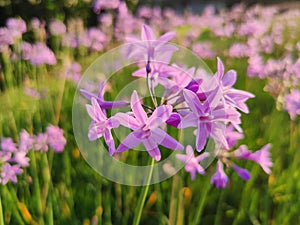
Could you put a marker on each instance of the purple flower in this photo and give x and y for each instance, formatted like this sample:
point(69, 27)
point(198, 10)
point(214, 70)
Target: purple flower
point(41, 54)
point(101, 125)
point(232, 136)
point(41, 142)
point(26, 49)
point(208, 120)
point(219, 179)
point(9, 173)
point(204, 50)
point(238, 50)
point(7, 145)
point(100, 98)
point(16, 27)
point(150, 48)
point(192, 163)
point(56, 138)
point(73, 72)
point(98, 5)
point(20, 158)
point(243, 173)
point(292, 103)
point(96, 39)
point(233, 97)
point(57, 27)
point(262, 156)
point(146, 130)
point(26, 141)
point(5, 37)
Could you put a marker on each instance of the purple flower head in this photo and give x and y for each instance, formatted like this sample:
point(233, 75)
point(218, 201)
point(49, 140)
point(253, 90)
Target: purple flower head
point(26, 49)
point(100, 98)
point(26, 141)
point(41, 54)
point(192, 163)
point(101, 125)
point(233, 97)
point(41, 142)
point(174, 120)
point(5, 37)
point(219, 179)
point(150, 48)
point(7, 145)
point(292, 103)
point(9, 173)
point(56, 138)
point(73, 72)
point(204, 50)
point(20, 158)
point(16, 27)
point(56, 27)
point(243, 173)
point(146, 130)
point(98, 5)
point(209, 121)
point(4, 156)
point(262, 156)
point(232, 136)
point(96, 39)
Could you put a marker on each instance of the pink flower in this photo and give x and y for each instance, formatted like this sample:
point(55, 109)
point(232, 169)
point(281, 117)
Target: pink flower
point(146, 130)
point(192, 163)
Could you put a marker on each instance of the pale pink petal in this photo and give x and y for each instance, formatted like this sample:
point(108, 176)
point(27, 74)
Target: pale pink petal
point(147, 33)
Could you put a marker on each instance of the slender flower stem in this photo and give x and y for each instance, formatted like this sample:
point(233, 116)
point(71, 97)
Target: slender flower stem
point(1, 213)
point(142, 198)
point(150, 85)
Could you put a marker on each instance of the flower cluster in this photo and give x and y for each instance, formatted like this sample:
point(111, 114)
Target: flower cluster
point(192, 99)
point(14, 157)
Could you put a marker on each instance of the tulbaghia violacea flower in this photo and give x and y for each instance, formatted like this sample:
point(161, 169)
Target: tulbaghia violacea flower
point(101, 125)
point(219, 179)
point(292, 103)
point(149, 48)
point(192, 162)
point(56, 138)
point(41, 54)
point(9, 173)
point(98, 5)
point(146, 130)
point(16, 27)
point(233, 97)
point(243, 173)
point(100, 98)
point(209, 121)
point(56, 27)
point(41, 142)
point(261, 157)
point(7, 145)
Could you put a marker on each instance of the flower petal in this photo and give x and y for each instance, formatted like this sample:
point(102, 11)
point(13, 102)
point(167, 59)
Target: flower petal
point(137, 108)
point(129, 142)
point(152, 148)
point(193, 101)
point(159, 116)
point(127, 120)
point(147, 33)
point(164, 139)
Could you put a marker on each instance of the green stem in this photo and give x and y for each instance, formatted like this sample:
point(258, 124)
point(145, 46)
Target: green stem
point(142, 198)
point(1, 213)
point(151, 91)
point(200, 207)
